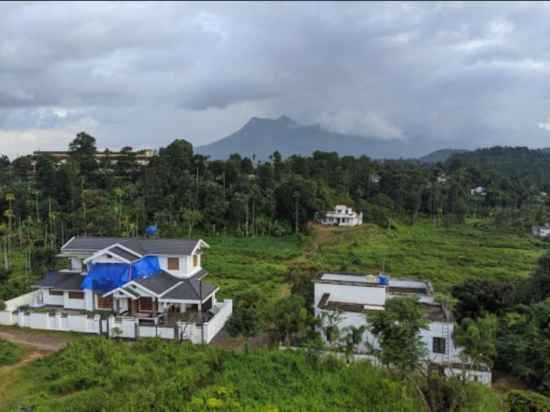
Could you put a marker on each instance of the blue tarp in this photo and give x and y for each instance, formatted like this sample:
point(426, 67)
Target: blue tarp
point(104, 277)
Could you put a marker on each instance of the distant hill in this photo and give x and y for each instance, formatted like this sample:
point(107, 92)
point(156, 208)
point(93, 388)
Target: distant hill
point(260, 137)
point(441, 155)
point(518, 162)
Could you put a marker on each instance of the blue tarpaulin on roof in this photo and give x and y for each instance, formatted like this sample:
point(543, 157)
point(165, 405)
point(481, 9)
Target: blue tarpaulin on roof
point(104, 277)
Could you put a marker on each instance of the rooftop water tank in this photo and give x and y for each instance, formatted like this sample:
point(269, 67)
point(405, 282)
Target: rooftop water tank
point(151, 230)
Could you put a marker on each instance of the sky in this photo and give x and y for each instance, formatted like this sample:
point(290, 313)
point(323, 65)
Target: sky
point(460, 75)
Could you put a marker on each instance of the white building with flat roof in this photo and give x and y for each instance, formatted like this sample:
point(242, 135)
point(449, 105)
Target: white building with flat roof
point(353, 296)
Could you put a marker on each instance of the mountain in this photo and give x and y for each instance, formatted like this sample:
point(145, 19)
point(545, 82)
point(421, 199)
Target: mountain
point(261, 137)
point(440, 155)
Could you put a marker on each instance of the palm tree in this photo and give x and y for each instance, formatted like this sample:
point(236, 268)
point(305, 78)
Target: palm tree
point(330, 322)
point(352, 338)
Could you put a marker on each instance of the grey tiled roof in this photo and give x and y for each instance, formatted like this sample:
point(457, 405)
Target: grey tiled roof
point(139, 245)
point(61, 280)
point(159, 282)
point(123, 253)
point(190, 289)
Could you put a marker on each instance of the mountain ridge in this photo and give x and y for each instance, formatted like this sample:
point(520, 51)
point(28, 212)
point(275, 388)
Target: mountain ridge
point(261, 137)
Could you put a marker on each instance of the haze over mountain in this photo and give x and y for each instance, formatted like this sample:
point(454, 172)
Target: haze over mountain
point(260, 137)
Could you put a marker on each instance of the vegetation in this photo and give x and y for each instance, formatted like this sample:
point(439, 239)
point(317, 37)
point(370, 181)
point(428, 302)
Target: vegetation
point(98, 374)
point(10, 353)
point(525, 401)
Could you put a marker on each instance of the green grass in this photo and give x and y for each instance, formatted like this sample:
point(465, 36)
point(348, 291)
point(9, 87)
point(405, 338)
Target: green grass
point(10, 353)
point(445, 256)
point(235, 263)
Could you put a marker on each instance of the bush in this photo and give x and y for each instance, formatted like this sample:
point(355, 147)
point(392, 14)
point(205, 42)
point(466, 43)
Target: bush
point(525, 401)
point(2, 305)
point(10, 353)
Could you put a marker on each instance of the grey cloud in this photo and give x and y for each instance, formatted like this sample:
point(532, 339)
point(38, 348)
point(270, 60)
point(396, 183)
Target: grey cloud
point(454, 74)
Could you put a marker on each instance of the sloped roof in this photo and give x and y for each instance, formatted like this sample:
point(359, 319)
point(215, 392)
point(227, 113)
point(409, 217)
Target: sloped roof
point(61, 280)
point(190, 289)
point(159, 282)
point(139, 245)
point(130, 257)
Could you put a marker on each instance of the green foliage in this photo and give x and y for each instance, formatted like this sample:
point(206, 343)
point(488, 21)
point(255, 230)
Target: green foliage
point(98, 374)
point(2, 305)
point(397, 329)
point(248, 316)
point(478, 338)
point(523, 344)
point(477, 297)
point(525, 401)
point(10, 353)
point(288, 318)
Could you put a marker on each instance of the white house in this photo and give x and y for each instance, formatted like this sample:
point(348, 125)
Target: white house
point(138, 286)
point(342, 216)
point(478, 191)
point(354, 296)
point(541, 231)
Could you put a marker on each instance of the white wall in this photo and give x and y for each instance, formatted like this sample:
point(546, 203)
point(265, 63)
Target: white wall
point(351, 294)
point(74, 303)
point(186, 265)
point(76, 264)
point(436, 329)
point(52, 299)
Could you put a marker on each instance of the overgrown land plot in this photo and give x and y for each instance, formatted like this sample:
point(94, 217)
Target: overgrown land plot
point(444, 255)
point(104, 375)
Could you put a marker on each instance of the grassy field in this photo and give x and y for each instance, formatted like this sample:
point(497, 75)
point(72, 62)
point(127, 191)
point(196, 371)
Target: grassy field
point(445, 256)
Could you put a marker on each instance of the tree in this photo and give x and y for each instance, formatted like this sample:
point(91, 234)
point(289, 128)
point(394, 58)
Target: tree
point(478, 341)
point(191, 218)
point(288, 318)
point(523, 344)
point(248, 317)
point(477, 297)
point(330, 324)
point(397, 329)
point(353, 336)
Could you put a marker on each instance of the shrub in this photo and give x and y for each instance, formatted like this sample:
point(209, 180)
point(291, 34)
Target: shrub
point(10, 353)
point(2, 305)
point(525, 401)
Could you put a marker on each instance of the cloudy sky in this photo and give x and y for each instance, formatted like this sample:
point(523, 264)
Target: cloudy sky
point(142, 74)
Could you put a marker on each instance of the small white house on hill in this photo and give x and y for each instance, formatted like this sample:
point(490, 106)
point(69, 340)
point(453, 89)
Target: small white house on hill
point(541, 231)
point(127, 287)
point(341, 216)
point(353, 296)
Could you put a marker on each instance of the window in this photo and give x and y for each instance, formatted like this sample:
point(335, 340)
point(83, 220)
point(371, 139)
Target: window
point(145, 304)
point(439, 345)
point(195, 260)
point(54, 292)
point(105, 303)
point(173, 263)
point(76, 295)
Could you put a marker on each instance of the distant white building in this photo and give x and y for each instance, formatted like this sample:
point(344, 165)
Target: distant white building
point(342, 216)
point(354, 296)
point(479, 191)
point(541, 231)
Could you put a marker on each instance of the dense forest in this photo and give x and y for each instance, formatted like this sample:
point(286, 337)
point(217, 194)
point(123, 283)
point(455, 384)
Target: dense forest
point(50, 201)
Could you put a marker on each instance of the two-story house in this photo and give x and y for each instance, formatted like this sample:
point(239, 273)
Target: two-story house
point(342, 216)
point(143, 282)
point(355, 296)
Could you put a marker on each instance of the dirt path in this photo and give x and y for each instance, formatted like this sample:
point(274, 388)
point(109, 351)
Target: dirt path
point(35, 339)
